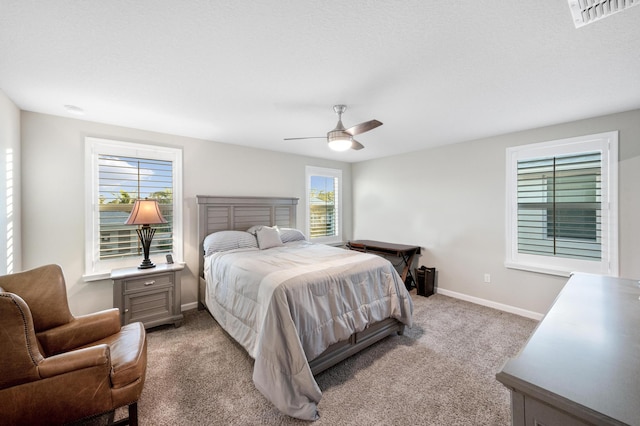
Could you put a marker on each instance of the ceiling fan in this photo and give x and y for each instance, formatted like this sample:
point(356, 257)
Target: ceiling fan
point(341, 139)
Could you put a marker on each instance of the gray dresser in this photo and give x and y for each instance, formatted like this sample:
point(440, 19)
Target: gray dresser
point(581, 366)
point(151, 296)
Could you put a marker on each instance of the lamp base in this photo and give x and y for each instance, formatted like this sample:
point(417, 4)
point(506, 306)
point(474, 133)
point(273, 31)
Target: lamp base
point(146, 264)
point(146, 236)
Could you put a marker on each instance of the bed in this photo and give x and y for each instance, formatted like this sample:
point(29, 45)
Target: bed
point(311, 305)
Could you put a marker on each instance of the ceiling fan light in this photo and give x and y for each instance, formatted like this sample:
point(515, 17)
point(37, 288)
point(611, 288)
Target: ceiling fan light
point(340, 144)
point(339, 140)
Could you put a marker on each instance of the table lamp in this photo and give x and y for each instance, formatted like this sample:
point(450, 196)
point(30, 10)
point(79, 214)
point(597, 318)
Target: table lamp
point(145, 212)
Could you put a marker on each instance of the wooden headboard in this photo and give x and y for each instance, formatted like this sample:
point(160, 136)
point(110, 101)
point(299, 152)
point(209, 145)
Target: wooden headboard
point(240, 213)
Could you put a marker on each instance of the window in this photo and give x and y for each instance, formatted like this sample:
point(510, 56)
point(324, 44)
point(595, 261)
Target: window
point(324, 203)
point(118, 173)
point(562, 205)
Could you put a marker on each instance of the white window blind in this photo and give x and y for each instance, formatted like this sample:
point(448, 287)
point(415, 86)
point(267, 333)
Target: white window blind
point(559, 206)
point(562, 205)
point(324, 204)
point(122, 181)
point(323, 209)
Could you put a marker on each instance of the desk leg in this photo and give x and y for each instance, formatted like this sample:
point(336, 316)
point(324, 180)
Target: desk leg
point(407, 269)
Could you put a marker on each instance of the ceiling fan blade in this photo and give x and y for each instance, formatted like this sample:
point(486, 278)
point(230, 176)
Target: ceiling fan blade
point(363, 127)
point(356, 145)
point(310, 137)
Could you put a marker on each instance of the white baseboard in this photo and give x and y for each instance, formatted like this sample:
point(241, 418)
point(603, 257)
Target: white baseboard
point(495, 305)
point(189, 306)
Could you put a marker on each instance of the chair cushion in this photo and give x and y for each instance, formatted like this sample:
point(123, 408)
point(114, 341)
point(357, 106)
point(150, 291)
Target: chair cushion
point(128, 354)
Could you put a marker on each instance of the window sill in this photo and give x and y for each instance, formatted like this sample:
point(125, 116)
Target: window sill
point(97, 276)
point(330, 241)
point(538, 269)
point(107, 275)
point(335, 243)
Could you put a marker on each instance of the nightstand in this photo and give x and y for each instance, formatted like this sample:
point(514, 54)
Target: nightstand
point(151, 296)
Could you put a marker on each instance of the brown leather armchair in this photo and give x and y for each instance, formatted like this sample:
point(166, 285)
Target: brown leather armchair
point(56, 368)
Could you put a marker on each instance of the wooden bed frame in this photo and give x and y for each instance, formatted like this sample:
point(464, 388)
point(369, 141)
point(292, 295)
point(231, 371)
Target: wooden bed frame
point(239, 213)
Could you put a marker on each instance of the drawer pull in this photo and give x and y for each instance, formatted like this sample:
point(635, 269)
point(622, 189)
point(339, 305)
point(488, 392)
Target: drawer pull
point(152, 282)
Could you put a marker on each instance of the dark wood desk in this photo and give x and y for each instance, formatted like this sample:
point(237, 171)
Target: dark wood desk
point(404, 252)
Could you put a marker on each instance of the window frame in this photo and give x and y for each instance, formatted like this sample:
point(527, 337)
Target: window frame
point(95, 268)
point(331, 173)
point(607, 144)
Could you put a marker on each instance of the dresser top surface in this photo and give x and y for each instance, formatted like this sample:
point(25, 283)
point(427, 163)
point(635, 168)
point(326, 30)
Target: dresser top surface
point(586, 350)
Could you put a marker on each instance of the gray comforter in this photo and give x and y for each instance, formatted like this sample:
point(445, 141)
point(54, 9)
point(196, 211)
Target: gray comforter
point(286, 305)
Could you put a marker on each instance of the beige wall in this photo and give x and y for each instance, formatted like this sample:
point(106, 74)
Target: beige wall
point(451, 201)
point(10, 260)
point(53, 193)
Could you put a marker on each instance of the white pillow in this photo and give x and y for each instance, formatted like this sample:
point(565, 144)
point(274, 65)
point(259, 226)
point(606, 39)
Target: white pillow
point(291, 234)
point(268, 237)
point(228, 240)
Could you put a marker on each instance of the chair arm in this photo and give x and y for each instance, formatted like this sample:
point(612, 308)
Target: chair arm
point(76, 360)
point(81, 331)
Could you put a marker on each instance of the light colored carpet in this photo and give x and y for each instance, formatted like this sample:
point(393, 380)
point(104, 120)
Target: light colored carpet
point(440, 372)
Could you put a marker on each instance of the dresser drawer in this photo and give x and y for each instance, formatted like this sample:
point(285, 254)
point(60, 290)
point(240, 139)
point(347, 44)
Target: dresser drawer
point(148, 282)
point(540, 414)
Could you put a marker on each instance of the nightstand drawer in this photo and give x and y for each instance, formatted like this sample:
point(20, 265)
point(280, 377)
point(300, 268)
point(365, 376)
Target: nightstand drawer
point(149, 282)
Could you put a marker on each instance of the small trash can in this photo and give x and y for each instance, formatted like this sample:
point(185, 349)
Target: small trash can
point(425, 278)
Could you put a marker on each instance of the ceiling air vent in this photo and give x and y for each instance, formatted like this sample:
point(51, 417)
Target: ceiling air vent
point(587, 11)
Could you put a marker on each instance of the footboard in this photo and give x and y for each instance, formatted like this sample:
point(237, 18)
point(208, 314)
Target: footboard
point(342, 350)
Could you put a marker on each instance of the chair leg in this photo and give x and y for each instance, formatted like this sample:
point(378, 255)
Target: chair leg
point(132, 419)
point(133, 414)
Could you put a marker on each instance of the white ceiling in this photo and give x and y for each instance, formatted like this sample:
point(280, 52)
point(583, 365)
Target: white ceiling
point(255, 72)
